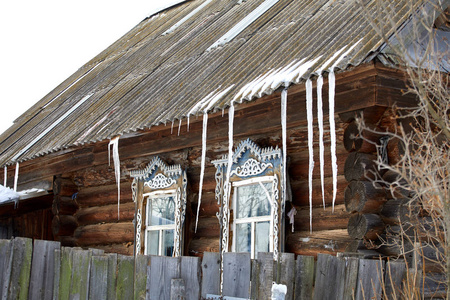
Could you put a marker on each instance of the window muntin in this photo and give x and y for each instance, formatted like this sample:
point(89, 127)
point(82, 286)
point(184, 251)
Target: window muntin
point(252, 222)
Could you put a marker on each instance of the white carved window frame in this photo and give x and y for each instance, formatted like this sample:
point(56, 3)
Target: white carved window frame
point(250, 164)
point(155, 180)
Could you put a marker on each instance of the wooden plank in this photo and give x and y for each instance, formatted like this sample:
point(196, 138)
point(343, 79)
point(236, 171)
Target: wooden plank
point(369, 279)
point(178, 289)
point(395, 273)
point(304, 278)
point(65, 273)
point(211, 273)
point(98, 279)
point(22, 250)
point(266, 275)
point(351, 277)
point(5, 266)
point(236, 274)
point(286, 271)
point(254, 286)
point(125, 277)
point(112, 274)
point(57, 270)
point(191, 274)
point(42, 270)
point(79, 283)
point(321, 279)
point(160, 272)
point(140, 276)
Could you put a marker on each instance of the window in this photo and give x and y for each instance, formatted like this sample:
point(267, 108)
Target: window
point(160, 192)
point(250, 200)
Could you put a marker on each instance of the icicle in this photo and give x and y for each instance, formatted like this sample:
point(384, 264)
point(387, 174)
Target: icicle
point(230, 140)
point(202, 166)
point(115, 148)
point(188, 123)
point(223, 112)
point(283, 133)
point(320, 122)
point(334, 167)
point(171, 128)
point(179, 127)
point(309, 112)
point(5, 172)
point(291, 215)
point(16, 177)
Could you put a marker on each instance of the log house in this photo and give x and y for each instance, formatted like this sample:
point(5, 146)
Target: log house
point(153, 89)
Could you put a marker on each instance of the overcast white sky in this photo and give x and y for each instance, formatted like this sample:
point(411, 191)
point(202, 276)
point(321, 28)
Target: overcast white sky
point(44, 42)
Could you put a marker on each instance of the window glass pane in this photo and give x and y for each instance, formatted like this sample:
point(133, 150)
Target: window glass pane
point(243, 237)
point(168, 242)
point(162, 211)
point(252, 200)
point(152, 242)
point(262, 236)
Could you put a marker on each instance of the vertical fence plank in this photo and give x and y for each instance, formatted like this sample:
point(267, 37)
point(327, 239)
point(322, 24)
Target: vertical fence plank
point(162, 271)
point(190, 273)
point(321, 284)
point(112, 271)
point(211, 273)
point(369, 279)
point(42, 270)
point(140, 276)
point(125, 277)
point(351, 277)
point(79, 285)
point(21, 267)
point(98, 279)
point(266, 275)
point(254, 286)
point(65, 273)
point(236, 274)
point(57, 270)
point(287, 273)
point(304, 278)
point(5, 267)
point(395, 273)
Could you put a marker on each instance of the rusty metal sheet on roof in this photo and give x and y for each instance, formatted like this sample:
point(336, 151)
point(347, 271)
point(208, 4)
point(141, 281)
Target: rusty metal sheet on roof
point(169, 68)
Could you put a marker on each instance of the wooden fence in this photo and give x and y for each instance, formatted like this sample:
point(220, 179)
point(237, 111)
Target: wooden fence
point(45, 270)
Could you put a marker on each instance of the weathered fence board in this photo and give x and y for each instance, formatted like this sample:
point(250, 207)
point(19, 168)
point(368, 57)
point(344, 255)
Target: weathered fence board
point(177, 289)
point(57, 270)
point(5, 267)
point(160, 273)
point(140, 276)
point(112, 267)
point(22, 249)
point(369, 279)
point(351, 277)
point(65, 273)
point(236, 274)
point(393, 279)
point(42, 270)
point(191, 274)
point(265, 275)
point(79, 285)
point(286, 271)
point(98, 281)
point(304, 279)
point(125, 277)
point(211, 274)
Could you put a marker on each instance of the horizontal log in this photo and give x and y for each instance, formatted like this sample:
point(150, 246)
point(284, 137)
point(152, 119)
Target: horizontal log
point(198, 246)
point(300, 191)
point(396, 186)
point(208, 227)
point(364, 140)
point(64, 187)
point(364, 197)
point(360, 166)
point(64, 225)
point(104, 234)
point(67, 241)
point(104, 195)
point(323, 219)
point(107, 213)
point(64, 205)
point(327, 241)
point(365, 226)
point(399, 211)
point(124, 248)
point(395, 150)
